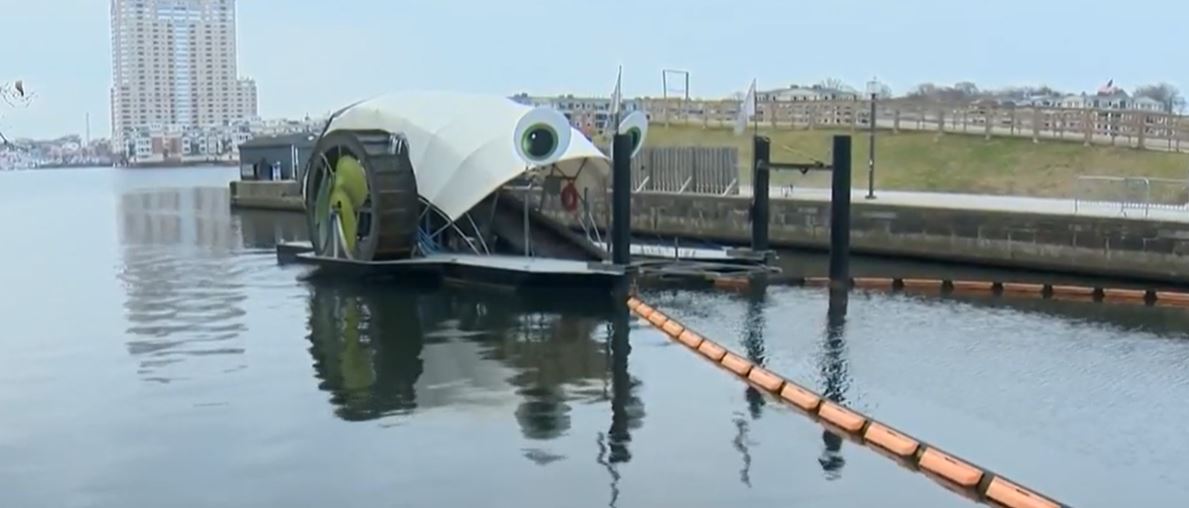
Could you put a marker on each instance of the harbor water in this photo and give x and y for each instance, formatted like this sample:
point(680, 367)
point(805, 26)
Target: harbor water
point(157, 355)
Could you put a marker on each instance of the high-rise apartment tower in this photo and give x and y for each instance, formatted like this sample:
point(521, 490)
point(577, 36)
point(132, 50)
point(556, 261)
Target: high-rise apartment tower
point(174, 68)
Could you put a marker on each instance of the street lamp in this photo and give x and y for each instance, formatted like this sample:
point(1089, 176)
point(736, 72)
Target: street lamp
point(872, 89)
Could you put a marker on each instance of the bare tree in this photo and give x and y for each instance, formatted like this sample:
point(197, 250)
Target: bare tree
point(1021, 93)
point(966, 89)
point(961, 92)
point(1167, 95)
point(834, 84)
point(923, 91)
point(1011, 92)
point(13, 95)
point(1045, 90)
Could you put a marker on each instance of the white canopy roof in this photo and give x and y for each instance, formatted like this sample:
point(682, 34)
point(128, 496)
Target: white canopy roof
point(462, 145)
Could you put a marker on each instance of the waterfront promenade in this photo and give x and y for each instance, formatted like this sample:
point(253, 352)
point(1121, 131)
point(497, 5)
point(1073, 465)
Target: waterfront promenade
point(983, 202)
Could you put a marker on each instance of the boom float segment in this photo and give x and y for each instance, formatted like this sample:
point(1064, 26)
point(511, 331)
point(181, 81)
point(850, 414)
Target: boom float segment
point(956, 473)
point(1008, 289)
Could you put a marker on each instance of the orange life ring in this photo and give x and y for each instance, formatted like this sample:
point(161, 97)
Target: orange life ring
point(569, 197)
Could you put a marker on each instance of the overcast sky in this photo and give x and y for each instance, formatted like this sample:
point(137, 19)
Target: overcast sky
point(310, 56)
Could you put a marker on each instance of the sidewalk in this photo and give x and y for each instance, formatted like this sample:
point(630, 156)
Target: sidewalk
point(1047, 206)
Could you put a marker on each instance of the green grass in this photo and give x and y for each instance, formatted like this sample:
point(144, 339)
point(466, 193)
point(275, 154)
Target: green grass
point(943, 163)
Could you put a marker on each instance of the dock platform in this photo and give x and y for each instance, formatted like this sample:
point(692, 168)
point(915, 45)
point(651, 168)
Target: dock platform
point(463, 269)
point(656, 251)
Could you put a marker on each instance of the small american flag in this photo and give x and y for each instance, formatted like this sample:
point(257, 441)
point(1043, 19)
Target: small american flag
point(1108, 88)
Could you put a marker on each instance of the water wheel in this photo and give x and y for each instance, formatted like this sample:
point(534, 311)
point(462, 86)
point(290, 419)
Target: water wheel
point(361, 196)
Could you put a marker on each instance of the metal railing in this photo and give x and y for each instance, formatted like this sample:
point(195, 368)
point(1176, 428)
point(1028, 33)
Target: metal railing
point(1145, 129)
point(687, 170)
point(1168, 194)
point(1131, 194)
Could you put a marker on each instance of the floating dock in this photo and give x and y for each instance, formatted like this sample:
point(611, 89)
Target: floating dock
point(516, 272)
point(653, 251)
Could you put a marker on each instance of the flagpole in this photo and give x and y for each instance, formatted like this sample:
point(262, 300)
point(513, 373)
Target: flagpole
point(755, 107)
point(747, 106)
point(616, 104)
point(618, 98)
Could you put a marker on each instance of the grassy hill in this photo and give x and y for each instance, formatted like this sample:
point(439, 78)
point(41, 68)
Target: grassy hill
point(945, 163)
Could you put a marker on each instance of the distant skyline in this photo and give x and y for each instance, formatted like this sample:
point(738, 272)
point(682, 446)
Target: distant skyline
point(62, 48)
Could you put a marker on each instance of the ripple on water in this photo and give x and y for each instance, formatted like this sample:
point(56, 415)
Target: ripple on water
point(189, 267)
point(181, 304)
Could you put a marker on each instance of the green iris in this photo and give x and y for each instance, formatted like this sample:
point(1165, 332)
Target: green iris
point(634, 133)
point(539, 141)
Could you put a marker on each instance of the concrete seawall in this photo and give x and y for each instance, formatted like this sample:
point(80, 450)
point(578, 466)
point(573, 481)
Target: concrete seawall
point(267, 195)
point(1101, 246)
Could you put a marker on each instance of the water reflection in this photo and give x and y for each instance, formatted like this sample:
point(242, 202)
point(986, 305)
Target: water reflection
point(383, 352)
point(367, 353)
point(753, 345)
point(262, 229)
point(183, 298)
point(753, 341)
point(1160, 320)
point(612, 469)
point(626, 408)
point(742, 443)
point(196, 218)
point(835, 378)
point(816, 264)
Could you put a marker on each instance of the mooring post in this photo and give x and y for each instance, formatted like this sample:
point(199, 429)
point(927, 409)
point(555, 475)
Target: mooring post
point(871, 151)
point(527, 237)
point(621, 199)
point(760, 172)
point(840, 215)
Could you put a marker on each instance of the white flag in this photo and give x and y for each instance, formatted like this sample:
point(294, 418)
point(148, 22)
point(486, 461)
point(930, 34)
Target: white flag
point(747, 109)
point(617, 97)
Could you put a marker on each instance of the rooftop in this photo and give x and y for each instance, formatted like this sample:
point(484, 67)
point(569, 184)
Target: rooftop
point(305, 139)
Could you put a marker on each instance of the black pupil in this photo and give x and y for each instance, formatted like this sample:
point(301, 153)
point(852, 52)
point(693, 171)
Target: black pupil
point(540, 142)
